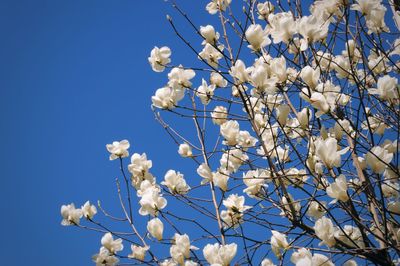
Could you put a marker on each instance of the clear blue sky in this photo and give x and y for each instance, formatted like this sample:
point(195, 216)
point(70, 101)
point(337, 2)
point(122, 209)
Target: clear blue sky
point(74, 76)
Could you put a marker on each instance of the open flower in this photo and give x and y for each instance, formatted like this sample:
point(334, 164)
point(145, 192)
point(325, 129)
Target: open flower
point(209, 34)
point(257, 37)
point(105, 258)
point(325, 231)
point(338, 189)
point(112, 245)
point(138, 252)
point(219, 254)
point(175, 182)
point(70, 214)
point(118, 149)
point(159, 58)
point(378, 158)
point(278, 242)
point(326, 150)
point(88, 210)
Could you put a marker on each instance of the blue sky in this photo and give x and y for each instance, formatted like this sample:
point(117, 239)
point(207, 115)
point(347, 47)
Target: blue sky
point(74, 76)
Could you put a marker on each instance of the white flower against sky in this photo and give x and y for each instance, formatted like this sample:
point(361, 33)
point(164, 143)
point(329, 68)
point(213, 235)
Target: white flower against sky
point(159, 58)
point(113, 246)
point(70, 214)
point(155, 228)
point(118, 149)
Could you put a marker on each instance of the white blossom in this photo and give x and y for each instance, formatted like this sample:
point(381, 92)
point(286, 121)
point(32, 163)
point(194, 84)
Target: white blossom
point(209, 34)
point(175, 182)
point(257, 37)
point(155, 228)
point(219, 254)
point(105, 258)
point(230, 131)
point(338, 189)
point(185, 150)
point(378, 158)
point(215, 5)
point(326, 150)
point(278, 242)
point(205, 92)
point(219, 115)
point(88, 210)
point(118, 149)
point(205, 172)
point(180, 78)
point(138, 252)
point(113, 246)
point(70, 215)
point(325, 231)
point(159, 58)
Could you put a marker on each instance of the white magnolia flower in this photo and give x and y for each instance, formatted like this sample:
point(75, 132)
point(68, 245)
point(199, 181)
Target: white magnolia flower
point(139, 165)
point(151, 200)
point(325, 231)
point(264, 9)
point(175, 182)
point(230, 131)
point(310, 76)
point(232, 159)
point(159, 58)
point(316, 260)
point(338, 189)
point(168, 262)
point(350, 263)
point(300, 254)
point(167, 98)
point(191, 263)
point(219, 115)
point(138, 252)
point(387, 88)
point(316, 209)
point(257, 37)
point(312, 29)
point(105, 258)
point(205, 92)
point(304, 117)
point(70, 215)
point(219, 254)
point(118, 149)
point(88, 210)
point(267, 262)
point(233, 216)
point(185, 150)
point(209, 34)
point(220, 179)
point(211, 55)
point(282, 113)
point(112, 245)
point(155, 228)
point(351, 236)
point(282, 27)
point(378, 158)
point(180, 78)
point(239, 71)
point(326, 150)
point(180, 250)
point(217, 5)
point(245, 140)
point(255, 181)
point(205, 172)
point(218, 80)
point(278, 242)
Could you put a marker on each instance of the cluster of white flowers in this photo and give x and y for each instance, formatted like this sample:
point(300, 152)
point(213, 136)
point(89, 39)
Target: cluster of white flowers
point(72, 216)
point(307, 131)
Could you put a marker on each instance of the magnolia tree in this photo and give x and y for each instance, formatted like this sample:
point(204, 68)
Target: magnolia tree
point(290, 113)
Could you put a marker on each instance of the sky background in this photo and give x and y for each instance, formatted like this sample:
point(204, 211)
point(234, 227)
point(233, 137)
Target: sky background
point(74, 76)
